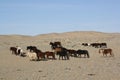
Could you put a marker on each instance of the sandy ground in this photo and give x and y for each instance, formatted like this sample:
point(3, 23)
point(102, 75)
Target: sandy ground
point(96, 67)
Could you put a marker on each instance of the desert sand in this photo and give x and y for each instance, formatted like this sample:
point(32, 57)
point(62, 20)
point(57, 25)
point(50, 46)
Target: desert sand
point(97, 67)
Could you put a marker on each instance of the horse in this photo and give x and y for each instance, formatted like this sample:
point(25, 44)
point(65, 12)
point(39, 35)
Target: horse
point(39, 53)
point(48, 53)
point(14, 50)
point(96, 45)
point(32, 56)
point(83, 52)
point(72, 52)
point(20, 51)
point(99, 45)
point(17, 51)
point(85, 44)
point(106, 51)
point(55, 44)
point(31, 48)
point(62, 52)
point(104, 45)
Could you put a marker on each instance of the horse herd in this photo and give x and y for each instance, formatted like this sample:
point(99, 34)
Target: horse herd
point(96, 45)
point(57, 49)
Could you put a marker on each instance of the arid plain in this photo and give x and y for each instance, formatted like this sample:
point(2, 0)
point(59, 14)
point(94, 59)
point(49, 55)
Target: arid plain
point(97, 67)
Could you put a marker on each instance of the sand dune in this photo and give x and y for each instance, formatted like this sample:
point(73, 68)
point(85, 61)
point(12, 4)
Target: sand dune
point(96, 67)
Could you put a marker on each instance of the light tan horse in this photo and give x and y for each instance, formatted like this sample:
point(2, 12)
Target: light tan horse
point(106, 51)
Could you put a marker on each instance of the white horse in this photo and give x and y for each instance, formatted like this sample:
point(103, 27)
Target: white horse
point(32, 56)
point(19, 50)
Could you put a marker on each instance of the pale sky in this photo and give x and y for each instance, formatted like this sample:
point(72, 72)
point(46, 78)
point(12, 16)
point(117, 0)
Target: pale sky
point(33, 17)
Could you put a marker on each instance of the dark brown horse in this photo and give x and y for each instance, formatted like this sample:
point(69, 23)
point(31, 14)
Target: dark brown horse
point(31, 48)
point(72, 52)
point(50, 54)
point(14, 50)
point(106, 51)
point(62, 52)
point(55, 44)
point(40, 54)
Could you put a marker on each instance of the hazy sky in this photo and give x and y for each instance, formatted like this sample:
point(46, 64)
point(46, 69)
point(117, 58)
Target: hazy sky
point(32, 17)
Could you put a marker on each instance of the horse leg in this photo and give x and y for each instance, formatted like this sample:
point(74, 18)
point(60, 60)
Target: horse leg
point(38, 57)
point(88, 55)
point(30, 50)
point(59, 57)
point(106, 54)
point(13, 52)
point(67, 57)
point(44, 56)
point(103, 54)
point(80, 55)
point(62, 57)
point(53, 56)
point(111, 54)
point(75, 55)
point(47, 57)
point(84, 55)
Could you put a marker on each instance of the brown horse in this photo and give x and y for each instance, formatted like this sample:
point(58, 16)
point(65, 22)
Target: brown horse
point(48, 54)
point(55, 44)
point(14, 50)
point(40, 54)
point(58, 49)
point(106, 51)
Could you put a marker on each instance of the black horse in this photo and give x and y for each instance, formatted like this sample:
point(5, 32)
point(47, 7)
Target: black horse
point(62, 52)
point(83, 52)
point(72, 52)
point(31, 48)
point(99, 45)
